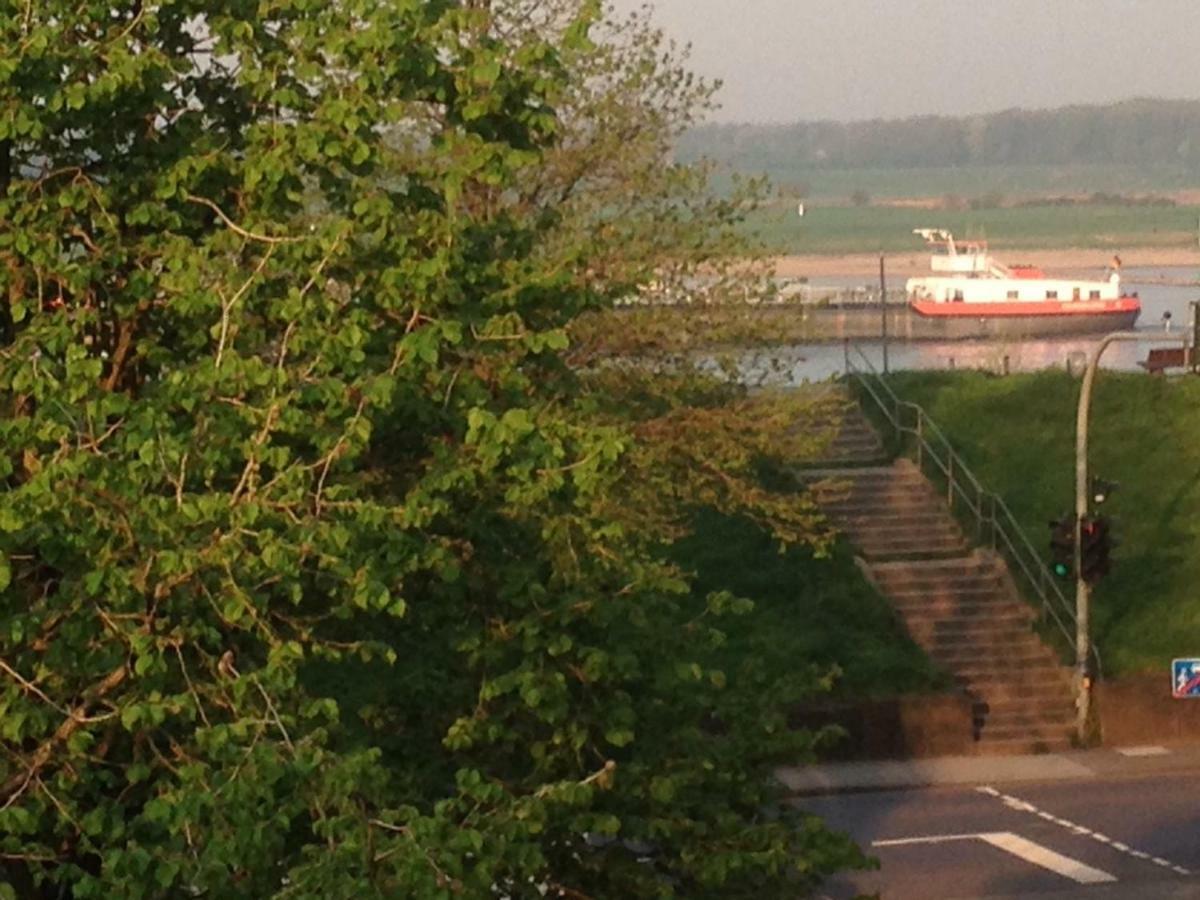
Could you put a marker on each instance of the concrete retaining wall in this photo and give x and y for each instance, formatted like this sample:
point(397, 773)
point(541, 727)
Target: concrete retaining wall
point(1139, 709)
point(908, 727)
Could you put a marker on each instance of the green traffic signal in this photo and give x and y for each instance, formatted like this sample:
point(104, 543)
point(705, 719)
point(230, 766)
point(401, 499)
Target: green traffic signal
point(1062, 546)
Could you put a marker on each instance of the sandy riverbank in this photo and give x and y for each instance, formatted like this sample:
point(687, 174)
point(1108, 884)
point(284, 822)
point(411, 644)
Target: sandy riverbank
point(905, 265)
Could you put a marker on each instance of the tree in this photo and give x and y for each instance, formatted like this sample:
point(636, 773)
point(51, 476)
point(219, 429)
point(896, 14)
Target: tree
point(323, 574)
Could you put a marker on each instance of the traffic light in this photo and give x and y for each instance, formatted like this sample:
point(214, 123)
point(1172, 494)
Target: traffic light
point(1062, 546)
point(1102, 489)
point(1095, 547)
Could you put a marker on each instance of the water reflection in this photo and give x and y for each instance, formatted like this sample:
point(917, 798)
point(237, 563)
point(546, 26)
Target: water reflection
point(817, 362)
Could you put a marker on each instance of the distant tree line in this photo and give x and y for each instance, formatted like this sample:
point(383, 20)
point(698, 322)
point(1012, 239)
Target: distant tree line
point(1141, 131)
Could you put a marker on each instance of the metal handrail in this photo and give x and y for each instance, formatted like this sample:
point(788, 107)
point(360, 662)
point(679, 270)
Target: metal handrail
point(993, 519)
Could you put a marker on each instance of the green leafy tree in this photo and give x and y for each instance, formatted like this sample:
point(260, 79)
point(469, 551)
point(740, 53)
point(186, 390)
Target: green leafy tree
point(322, 572)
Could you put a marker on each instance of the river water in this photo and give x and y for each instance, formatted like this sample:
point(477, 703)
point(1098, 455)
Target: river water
point(817, 362)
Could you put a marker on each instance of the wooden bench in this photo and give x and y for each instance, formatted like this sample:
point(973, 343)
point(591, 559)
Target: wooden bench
point(1164, 358)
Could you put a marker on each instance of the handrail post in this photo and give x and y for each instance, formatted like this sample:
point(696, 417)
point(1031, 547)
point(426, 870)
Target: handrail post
point(920, 440)
point(950, 480)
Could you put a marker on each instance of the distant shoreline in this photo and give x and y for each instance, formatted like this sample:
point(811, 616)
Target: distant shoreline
point(906, 265)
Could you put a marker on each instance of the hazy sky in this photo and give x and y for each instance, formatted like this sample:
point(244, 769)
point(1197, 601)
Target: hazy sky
point(784, 60)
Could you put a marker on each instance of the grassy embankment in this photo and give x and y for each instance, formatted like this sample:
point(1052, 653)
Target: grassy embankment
point(808, 612)
point(850, 229)
point(1017, 433)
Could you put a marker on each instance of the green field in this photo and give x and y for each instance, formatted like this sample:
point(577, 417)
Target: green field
point(867, 229)
point(1017, 433)
point(977, 181)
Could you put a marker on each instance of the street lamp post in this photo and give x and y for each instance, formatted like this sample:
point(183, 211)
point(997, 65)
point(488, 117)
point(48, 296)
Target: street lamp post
point(883, 322)
point(1083, 639)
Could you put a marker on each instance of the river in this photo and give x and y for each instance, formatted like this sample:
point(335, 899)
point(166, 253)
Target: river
point(817, 362)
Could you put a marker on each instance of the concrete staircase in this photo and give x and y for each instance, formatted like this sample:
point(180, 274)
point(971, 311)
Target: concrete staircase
point(959, 604)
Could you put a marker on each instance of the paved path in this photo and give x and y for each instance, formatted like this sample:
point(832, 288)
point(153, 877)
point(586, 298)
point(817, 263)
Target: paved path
point(1114, 762)
point(1096, 825)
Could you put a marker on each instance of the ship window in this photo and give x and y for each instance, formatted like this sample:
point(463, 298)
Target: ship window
point(958, 295)
point(1012, 295)
point(1093, 295)
point(1051, 295)
point(1075, 293)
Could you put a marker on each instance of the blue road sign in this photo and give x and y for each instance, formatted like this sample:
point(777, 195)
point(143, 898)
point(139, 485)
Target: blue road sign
point(1185, 678)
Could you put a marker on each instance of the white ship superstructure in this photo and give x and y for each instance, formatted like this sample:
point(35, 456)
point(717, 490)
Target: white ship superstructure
point(968, 281)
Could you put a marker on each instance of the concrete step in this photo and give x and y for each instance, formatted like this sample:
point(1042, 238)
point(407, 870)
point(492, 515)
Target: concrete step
point(944, 585)
point(1017, 624)
point(919, 520)
point(901, 527)
point(928, 625)
point(992, 687)
point(967, 566)
point(883, 510)
point(848, 483)
point(983, 673)
point(1018, 665)
point(1021, 745)
point(907, 544)
point(1059, 718)
point(856, 435)
point(974, 591)
point(877, 506)
point(981, 641)
point(925, 610)
point(876, 476)
point(949, 573)
point(1028, 730)
point(1010, 623)
point(853, 439)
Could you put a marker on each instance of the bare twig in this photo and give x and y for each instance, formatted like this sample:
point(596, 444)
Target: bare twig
point(191, 687)
point(31, 687)
point(275, 715)
point(238, 229)
point(227, 307)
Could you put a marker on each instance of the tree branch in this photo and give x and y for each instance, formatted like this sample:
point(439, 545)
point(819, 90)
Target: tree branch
point(78, 716)
point(235, 227)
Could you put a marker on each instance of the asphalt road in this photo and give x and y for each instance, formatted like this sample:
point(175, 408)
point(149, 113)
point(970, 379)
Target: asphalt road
point(1135, 838)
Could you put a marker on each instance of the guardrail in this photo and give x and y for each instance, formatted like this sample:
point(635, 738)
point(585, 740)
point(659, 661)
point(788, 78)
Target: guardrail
point(994, 523)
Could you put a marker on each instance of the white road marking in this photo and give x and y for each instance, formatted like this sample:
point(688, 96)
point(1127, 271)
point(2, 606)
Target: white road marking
point(1148, 750)
point(926, 839)
point(1016, 803)
point(1047, 858)
point(1020, 847)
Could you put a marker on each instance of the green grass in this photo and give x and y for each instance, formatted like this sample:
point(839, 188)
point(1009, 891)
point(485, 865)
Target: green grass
point(808, 611)
point(975, 181)
point(1017, 434)
point(841, 229)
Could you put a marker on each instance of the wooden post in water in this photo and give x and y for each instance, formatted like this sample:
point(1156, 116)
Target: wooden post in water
point(883, 313)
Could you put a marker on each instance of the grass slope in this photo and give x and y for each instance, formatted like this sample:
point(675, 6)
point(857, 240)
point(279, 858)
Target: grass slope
point(807, 612)
point(1017, 433)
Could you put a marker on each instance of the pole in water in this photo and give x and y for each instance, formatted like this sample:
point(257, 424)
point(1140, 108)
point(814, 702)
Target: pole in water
point(883, 313)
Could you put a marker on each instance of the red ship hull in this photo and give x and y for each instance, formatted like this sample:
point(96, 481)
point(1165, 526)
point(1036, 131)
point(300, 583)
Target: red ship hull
point(1103, 310)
